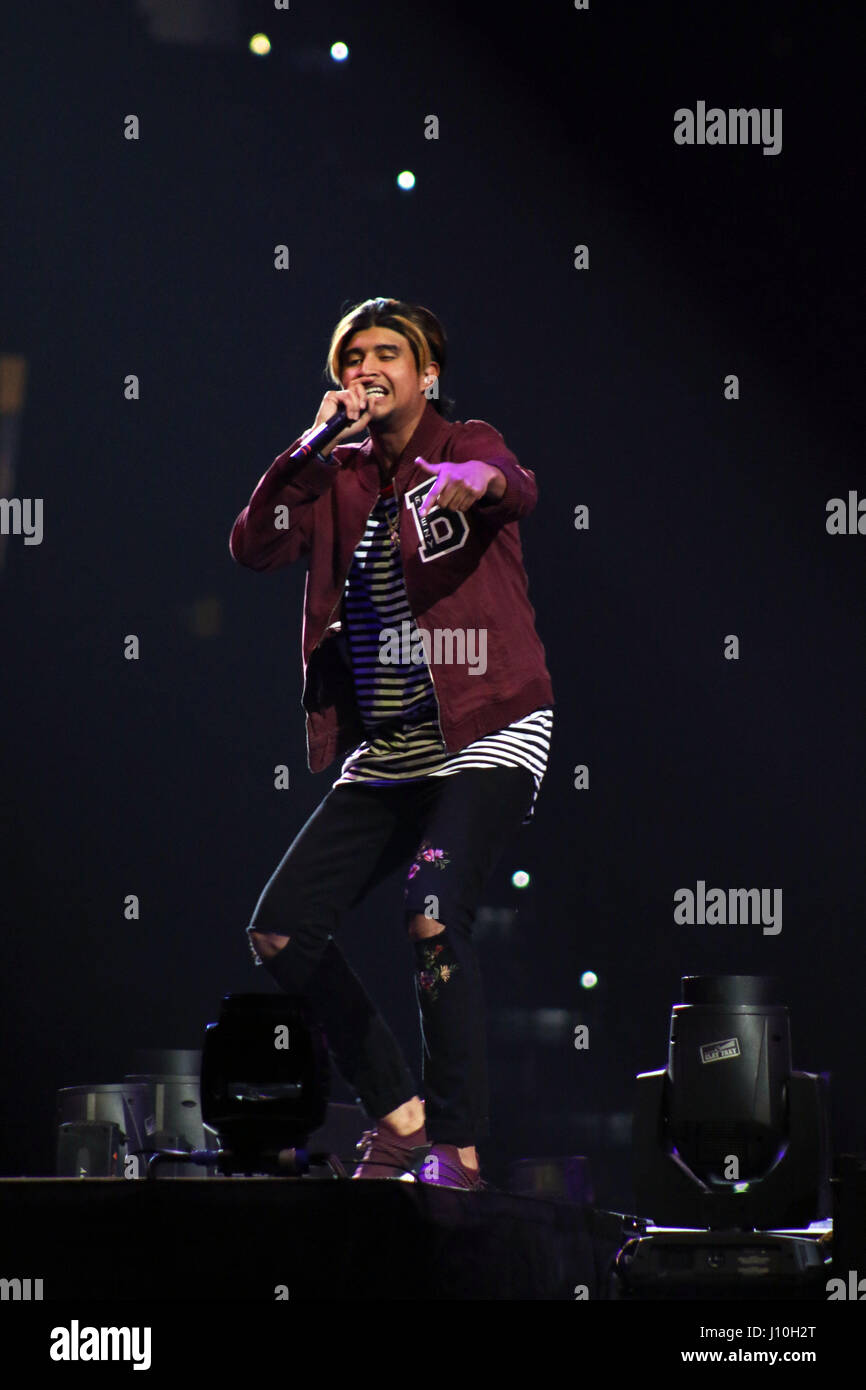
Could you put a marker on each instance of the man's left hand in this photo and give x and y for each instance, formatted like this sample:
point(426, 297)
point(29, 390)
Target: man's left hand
point(459, 486)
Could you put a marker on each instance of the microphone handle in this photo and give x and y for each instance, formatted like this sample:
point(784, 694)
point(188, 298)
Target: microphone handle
point(323, 435)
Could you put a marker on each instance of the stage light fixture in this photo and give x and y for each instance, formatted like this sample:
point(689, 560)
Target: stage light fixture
point(729, 1136)
point(265, 1083)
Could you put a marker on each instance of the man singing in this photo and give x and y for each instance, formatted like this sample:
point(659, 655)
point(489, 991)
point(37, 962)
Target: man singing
point(423, 670)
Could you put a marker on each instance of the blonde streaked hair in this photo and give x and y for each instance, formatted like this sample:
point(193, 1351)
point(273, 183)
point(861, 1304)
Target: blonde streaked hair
point(421, 329)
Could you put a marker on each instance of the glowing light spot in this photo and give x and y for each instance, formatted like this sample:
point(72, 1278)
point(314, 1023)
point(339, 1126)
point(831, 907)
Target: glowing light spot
point(520, 878)
point(339, 52)
point(260, 44)
point(588, 979)
point(406, 179)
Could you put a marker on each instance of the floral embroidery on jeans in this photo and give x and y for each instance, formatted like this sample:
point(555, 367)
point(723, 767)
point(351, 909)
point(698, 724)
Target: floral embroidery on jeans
point(433, 974)
point(437, 857)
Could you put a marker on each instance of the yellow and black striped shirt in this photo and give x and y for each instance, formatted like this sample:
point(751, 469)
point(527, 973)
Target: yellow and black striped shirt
point(397, 699)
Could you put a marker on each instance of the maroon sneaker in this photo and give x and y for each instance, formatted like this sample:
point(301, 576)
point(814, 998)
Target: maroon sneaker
point(442, 1168)
point(385, 1154)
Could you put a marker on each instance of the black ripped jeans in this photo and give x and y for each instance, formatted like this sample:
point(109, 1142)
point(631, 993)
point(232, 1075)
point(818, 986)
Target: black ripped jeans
point(451, 831)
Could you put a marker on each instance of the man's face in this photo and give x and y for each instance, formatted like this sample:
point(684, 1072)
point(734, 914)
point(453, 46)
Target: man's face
point(379, 357)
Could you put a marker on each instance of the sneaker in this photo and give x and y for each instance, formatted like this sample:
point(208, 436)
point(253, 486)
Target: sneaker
point(385, 1154)
point(442, 1168)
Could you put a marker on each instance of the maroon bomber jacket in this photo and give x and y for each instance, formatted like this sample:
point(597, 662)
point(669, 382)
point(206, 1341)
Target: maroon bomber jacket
point(461, 570)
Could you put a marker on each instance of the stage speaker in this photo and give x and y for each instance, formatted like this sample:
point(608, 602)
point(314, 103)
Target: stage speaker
point(170, 1079)
point(98, 1127)
point(90, 1150)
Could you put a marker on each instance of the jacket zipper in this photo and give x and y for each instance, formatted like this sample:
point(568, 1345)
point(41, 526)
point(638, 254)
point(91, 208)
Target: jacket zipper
point(435, 695)
point(415, 621)
point(343, 585)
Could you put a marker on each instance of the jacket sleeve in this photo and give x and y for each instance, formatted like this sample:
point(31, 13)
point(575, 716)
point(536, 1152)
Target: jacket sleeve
point(260, 538)
point(482, 441)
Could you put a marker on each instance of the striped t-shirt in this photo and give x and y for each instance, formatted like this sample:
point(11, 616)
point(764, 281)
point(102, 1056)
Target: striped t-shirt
point(397, 698)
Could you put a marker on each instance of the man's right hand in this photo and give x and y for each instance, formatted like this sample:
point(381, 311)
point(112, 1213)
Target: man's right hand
point(355, 401)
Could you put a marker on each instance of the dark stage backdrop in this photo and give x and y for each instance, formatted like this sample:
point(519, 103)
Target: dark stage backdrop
point(692, 378)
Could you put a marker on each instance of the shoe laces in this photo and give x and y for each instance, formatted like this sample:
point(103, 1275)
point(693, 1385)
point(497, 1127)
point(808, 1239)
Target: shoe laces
point(366, 1141)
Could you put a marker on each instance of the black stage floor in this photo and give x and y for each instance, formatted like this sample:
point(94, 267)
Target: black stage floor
point(264, 1239)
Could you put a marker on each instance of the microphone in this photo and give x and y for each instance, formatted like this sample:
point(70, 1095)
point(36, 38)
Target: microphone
point(324, 434)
